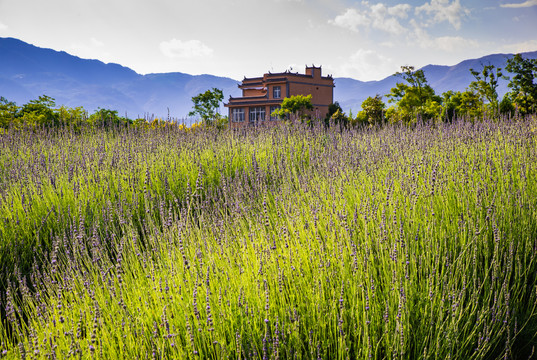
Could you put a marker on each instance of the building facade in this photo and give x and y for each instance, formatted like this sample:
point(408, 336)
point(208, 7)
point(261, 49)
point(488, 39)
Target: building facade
point(262, 95)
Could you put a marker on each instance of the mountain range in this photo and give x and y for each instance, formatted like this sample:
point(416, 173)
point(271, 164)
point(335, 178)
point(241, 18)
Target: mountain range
point(27, 71)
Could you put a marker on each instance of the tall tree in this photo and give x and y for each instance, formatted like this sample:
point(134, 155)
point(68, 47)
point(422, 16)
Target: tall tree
point(461, 104)
point(485, 85)
point(522, 84)
point(372, 110)
point(39, 112)
point(107, 117)
point(332, 109)
point(206, 105)
point(413, 100)
point(416, 79)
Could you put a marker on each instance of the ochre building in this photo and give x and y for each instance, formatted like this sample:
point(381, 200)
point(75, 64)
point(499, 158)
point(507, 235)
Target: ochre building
point(262, 95)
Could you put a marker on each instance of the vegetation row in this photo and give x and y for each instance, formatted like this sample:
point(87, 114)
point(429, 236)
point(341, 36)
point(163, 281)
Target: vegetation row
point(412, 100)
point(306, 240)
point(292, 242)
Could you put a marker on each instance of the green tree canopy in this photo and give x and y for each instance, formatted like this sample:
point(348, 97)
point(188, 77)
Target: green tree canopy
point(332, 109)
point(106, 117)
point(206, 105)
point(8, 112)
point(416, 79)
point(39, 111)
point(461, 104)
point(506, 105)
point(522, 84)
point(413, 100)
point(339, 118)
point(485, 85)
point(71, 115)
point(372, 110)
point(295, 105)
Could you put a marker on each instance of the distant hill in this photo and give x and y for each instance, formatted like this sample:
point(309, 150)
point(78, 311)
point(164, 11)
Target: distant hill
point(27, 71)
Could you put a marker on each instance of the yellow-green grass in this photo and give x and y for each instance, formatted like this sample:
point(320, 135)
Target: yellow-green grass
point(295, 242)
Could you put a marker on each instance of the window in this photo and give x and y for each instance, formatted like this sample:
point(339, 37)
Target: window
point(257, 114)
point(277, 92)
point(272, 109)
point(238, 114)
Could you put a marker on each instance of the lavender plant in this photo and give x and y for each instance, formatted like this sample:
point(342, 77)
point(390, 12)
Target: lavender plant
point(271, 243)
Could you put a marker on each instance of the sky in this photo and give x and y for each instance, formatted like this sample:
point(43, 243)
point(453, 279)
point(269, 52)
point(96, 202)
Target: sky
point(364, 40)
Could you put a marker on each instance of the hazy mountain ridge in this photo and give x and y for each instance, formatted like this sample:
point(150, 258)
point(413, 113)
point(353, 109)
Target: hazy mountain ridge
point(27, 71)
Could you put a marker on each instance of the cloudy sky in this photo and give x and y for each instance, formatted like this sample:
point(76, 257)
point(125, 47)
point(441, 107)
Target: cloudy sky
point(365, 40)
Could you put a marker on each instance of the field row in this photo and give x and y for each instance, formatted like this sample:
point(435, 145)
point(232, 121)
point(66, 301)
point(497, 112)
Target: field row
point(288, 242)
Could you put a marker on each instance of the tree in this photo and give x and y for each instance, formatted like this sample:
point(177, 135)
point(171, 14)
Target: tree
point(8, 112)
point(506, 105)
point(73, 116)
point(522, 84)
point(417, 99)
point(39, 112)
point(461, 104)
point(206, 105)
point(449, 105)
point(332, 109)
point(107, 117)
point(416, 79)
point(485, 85)
point(296, 105)
point(339, 118)
point(372, 110)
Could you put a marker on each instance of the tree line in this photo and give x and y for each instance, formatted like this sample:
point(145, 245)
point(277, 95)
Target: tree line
point(411, 100)
point(42, 112)
point(414, 99)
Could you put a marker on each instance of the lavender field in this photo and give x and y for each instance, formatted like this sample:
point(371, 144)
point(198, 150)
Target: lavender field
point(280, 243)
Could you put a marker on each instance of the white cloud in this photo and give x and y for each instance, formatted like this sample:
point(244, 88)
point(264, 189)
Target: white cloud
point(96, 43)
point(351, 19)
point(526, 46)
point(395, 19)
point(3, 26)
point(377, 16)
point(92, 49)
point(445, 43)
point(400, 10)
point(388, 44)
point(381, 20)
point(390, 25)
point(527, 3)
point(185, 49)
point(368, 65)
point(444, 10)
point(453, 43)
